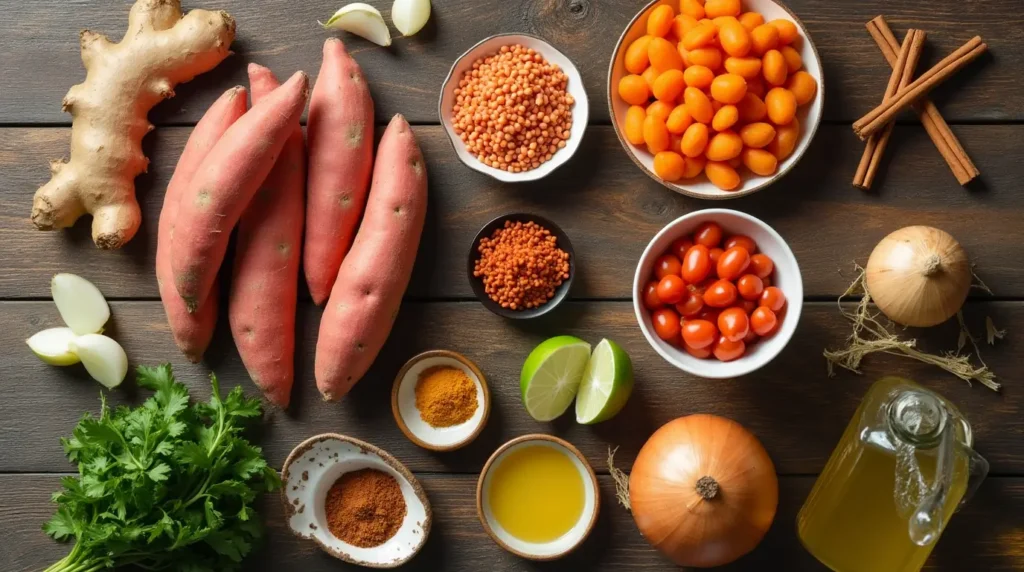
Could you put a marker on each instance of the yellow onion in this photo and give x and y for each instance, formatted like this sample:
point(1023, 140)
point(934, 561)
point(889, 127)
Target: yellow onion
point(703, 491)
point(919, 276)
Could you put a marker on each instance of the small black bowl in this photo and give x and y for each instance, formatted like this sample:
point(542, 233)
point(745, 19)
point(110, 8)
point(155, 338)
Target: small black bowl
point(478, 284)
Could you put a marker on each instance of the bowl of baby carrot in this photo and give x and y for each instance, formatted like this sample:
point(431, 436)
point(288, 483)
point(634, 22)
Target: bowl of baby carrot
point(715, 99)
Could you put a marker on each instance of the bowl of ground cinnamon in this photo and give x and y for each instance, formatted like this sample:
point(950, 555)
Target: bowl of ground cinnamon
point(440, 400)
point(354, 500)
point(521, 266)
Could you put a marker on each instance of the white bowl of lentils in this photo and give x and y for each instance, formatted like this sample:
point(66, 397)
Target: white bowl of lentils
point(514, 108)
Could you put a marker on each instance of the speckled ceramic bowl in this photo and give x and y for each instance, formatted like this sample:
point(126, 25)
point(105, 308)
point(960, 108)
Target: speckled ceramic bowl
point(316, 464)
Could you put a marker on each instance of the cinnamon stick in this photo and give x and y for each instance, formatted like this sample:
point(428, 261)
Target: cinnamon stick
point(940, 72)
point(903, 71)
point(934, 124)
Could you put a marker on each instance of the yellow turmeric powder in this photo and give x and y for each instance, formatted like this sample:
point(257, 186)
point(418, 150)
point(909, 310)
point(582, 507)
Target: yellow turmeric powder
point(445, 396)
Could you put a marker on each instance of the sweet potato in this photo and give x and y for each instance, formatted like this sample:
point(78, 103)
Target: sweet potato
point(264, 288)
point(340, 130)
point(226, 181)
point(368, 292)
point(192, 332)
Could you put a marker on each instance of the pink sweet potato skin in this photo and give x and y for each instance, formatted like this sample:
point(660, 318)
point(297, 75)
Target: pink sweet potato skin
point(340, 131)
point(226, 181)
point(368, 292)
point(192, 332)
point(264, 288)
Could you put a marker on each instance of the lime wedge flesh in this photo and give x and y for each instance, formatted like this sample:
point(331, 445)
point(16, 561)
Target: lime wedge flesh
point(551, 376)
point(606, 386)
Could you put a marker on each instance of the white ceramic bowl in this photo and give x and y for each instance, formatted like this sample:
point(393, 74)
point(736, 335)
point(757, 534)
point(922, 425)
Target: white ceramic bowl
point(487, 47)
point(808, 115)
point(310, 470)
point(786, 277)
point(533, 550)
point(403, 403)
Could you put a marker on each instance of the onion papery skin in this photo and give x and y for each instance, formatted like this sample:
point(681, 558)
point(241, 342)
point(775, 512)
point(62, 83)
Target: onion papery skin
point(919, 276)
point(673, 516)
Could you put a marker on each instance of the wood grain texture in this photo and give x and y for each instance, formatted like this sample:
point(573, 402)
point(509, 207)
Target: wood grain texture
point(791, 405)
point(985, 535)
point(605, 204)
point(284, 35)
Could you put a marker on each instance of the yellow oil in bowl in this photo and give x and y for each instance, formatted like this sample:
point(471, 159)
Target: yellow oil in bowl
point(536, 493)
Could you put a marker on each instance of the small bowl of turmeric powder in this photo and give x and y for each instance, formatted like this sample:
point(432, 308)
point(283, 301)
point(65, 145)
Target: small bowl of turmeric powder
point(440, 400)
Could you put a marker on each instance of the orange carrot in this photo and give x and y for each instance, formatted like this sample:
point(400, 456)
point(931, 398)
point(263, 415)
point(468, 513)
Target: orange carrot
point(264, 288)
point(368, 292)
point(226, 181)
point(340, 130)
point(192, 332)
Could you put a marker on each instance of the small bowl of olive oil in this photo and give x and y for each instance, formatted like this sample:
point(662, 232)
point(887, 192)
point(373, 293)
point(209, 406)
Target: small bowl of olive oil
point(537, 497)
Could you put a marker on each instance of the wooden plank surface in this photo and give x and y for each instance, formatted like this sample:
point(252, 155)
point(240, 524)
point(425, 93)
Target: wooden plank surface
point(791, 405)
point(283, 34)
point(985, 535)
point(607, 206)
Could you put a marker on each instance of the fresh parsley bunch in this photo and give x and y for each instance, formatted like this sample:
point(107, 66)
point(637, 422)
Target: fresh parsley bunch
point(164, 486)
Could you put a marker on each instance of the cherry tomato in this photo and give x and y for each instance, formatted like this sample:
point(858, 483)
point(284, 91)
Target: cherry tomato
point(741, 240)
point(721, 294)
point(751, 338)
point(772, 298)
point(692, 303)
point(747, 305)
point(651, 300)
point(761, 266)
point(733, 263)
point(666, 324)
point(763, 321)
point(671, 289)
point(726, 350)
point(697, 264)
point(734, 324)
point(702, 353)
point(709, 314)
point(709, 234)
point(699, 334)
point(666, 265)
point(750, 287)
point(680, 247)
point(715, 254)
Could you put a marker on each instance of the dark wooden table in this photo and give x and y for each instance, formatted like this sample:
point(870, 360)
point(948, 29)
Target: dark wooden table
point(608, 207)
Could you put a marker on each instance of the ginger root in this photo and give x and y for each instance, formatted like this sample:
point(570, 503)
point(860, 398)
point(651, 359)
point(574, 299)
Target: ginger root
point(123, 82)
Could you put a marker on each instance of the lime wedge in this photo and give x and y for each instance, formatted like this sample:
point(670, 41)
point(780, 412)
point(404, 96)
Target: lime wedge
point(551, 376)
point(606, 386)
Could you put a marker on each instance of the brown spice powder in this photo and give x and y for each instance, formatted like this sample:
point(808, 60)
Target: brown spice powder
point(365, 508)
point(445, 396)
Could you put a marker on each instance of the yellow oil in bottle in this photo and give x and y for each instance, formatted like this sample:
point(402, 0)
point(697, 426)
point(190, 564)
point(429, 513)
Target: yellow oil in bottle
point(856, 517)
point(536, 493)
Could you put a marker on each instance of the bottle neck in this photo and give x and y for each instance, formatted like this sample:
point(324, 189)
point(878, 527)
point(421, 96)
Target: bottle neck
point(917, 418)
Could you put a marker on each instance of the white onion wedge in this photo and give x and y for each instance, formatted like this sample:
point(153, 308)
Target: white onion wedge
point(53, 346)
point(362, 20)
point(80, 303)
point(409, 16)
point(102, 357)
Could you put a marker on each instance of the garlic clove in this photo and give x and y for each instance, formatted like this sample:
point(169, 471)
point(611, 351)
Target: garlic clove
point(102, 357)
point(80, 303)
point(409, 16)
point(53, 346)
point(362, 20)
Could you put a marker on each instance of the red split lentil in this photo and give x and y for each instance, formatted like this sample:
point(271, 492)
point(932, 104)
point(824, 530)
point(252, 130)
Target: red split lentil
point(512, 109)
point(521, 265)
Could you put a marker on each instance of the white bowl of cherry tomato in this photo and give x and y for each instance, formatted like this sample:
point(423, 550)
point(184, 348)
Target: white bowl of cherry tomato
point(718, 293)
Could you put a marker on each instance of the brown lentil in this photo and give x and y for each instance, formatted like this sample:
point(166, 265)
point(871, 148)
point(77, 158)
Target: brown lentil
point(512, 109)
point(521, 265)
